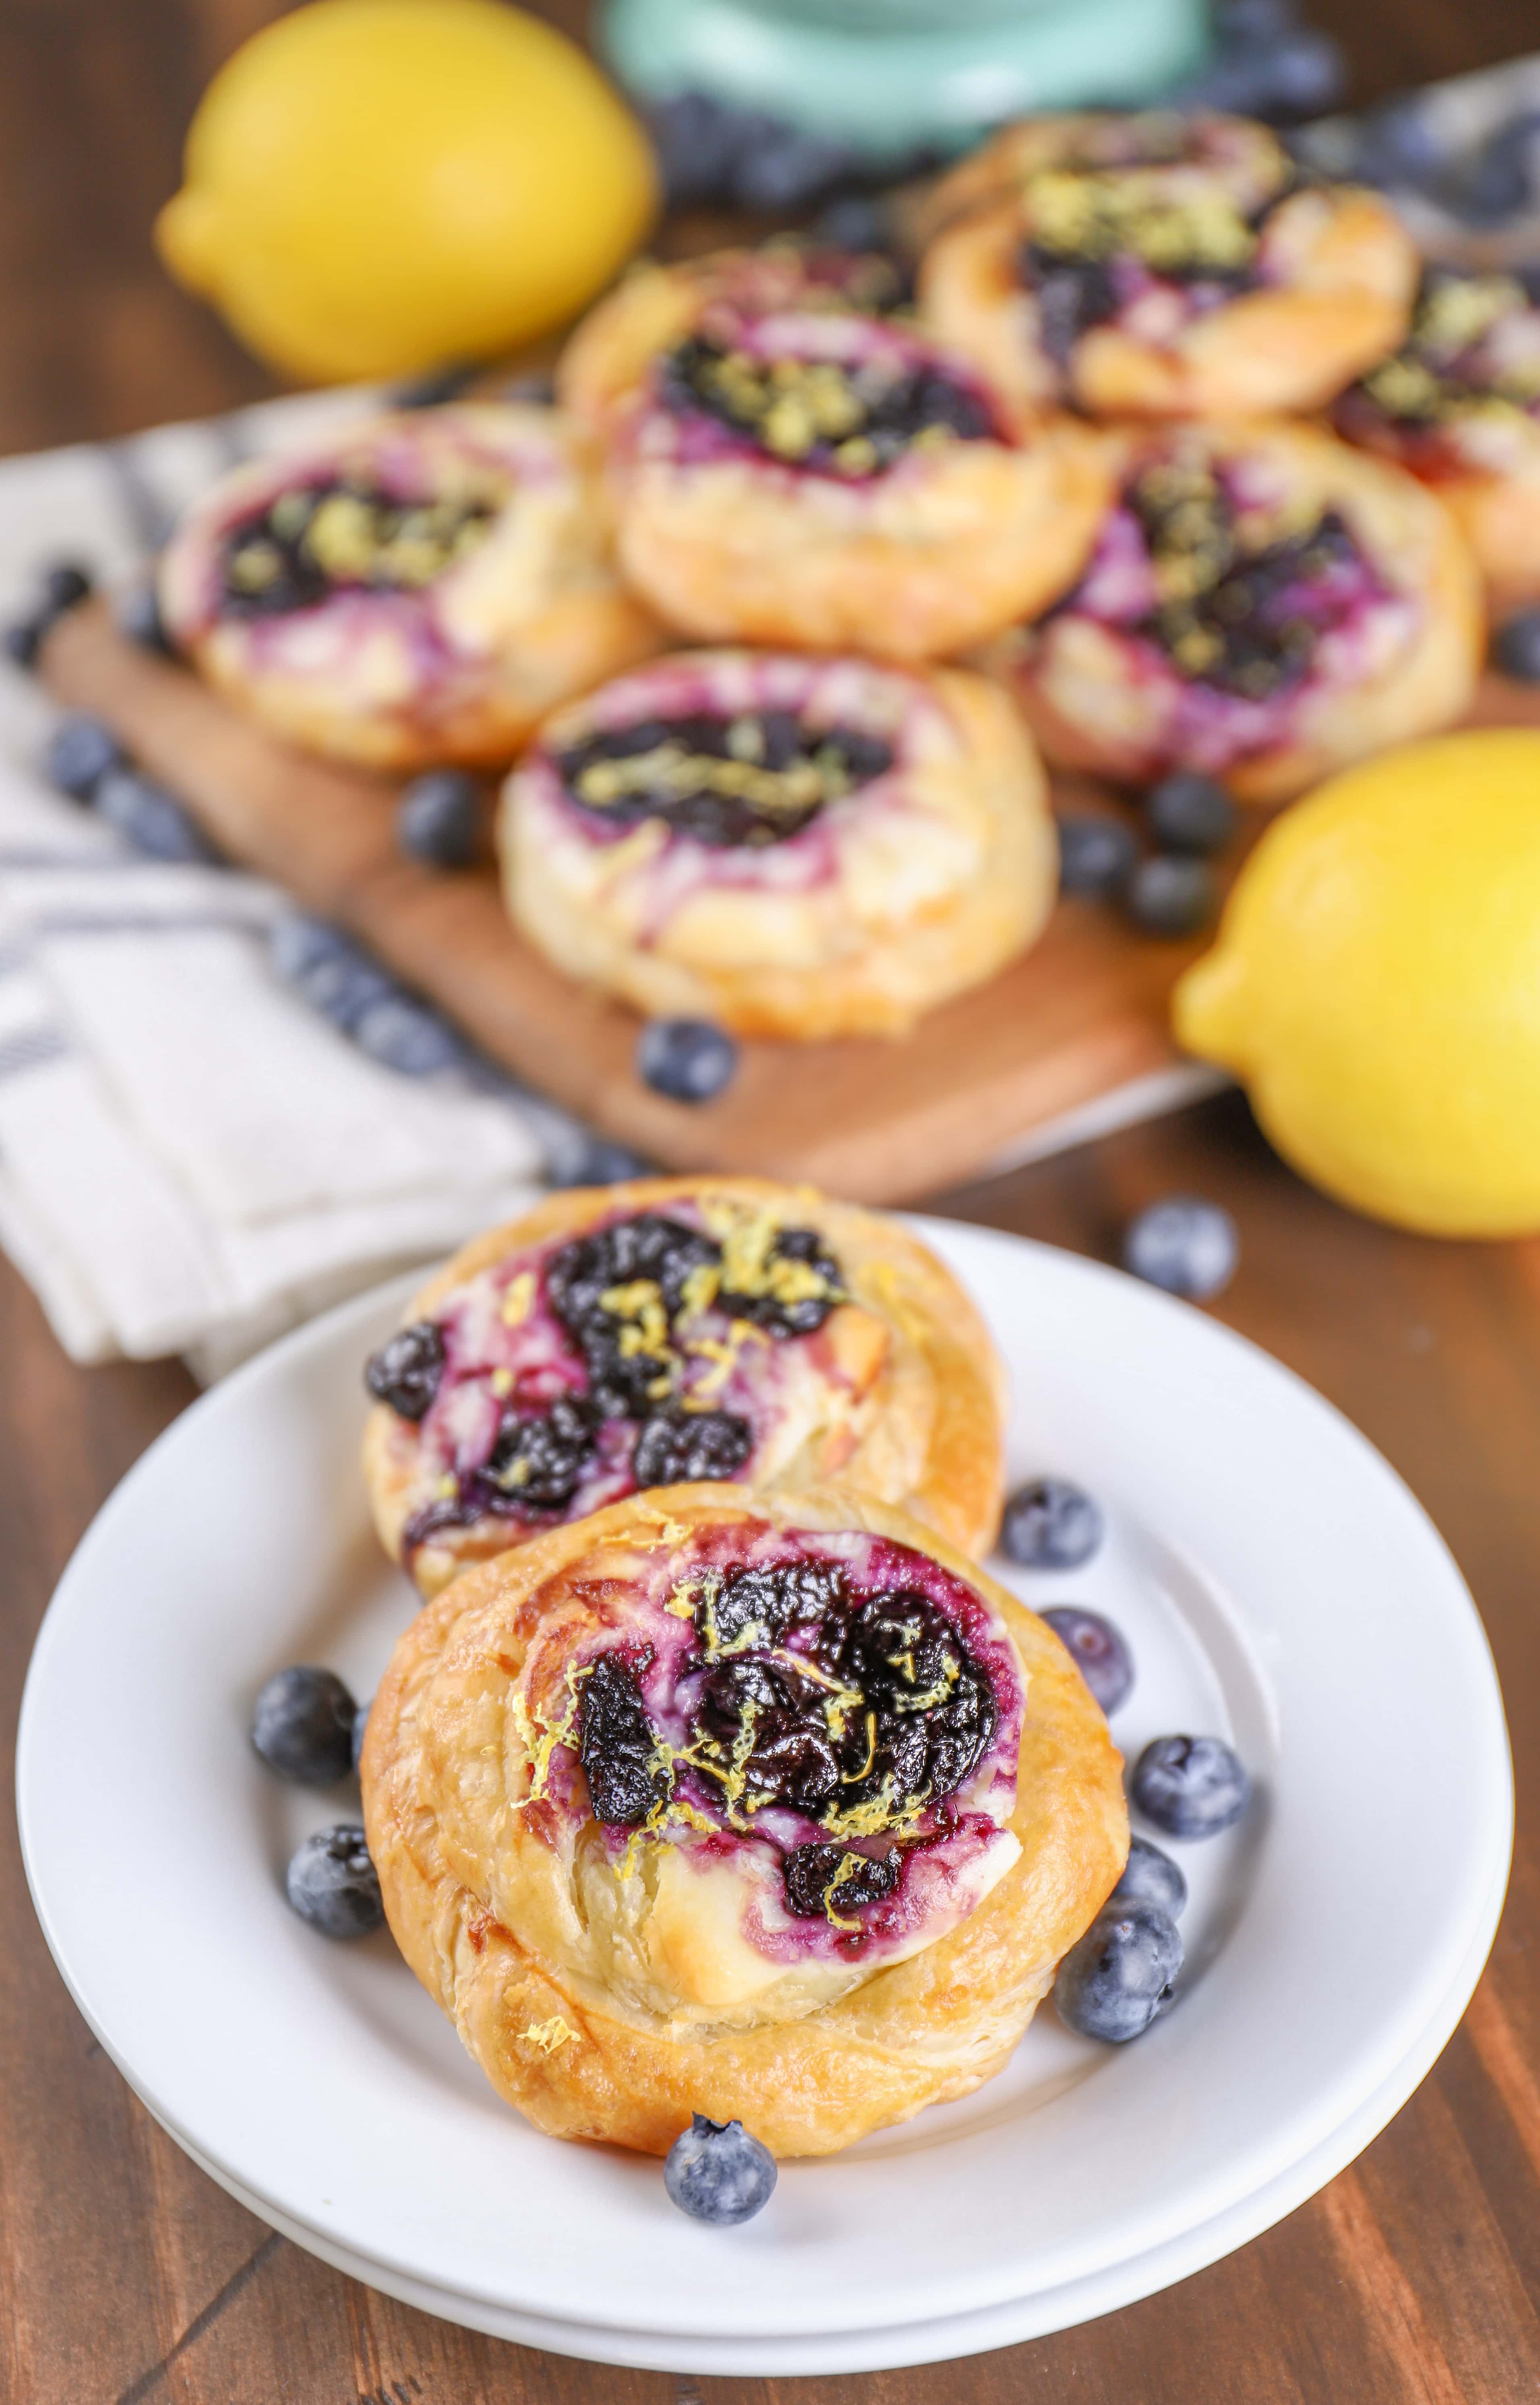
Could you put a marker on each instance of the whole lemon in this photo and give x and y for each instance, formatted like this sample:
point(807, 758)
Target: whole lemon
point(375, 186)
point(1375, 986)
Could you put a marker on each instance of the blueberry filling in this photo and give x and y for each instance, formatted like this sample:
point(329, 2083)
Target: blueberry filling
point(753, 779)
point(538, 1463)
point(317, 539)
point(1244, 619)
point(617, 1745)
point(406, 1369)
point(844, 421)
point(821, 1881)
point(1443, 372)
point(678, 1446)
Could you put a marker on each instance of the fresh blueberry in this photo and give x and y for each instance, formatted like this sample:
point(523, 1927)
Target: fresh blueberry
point(1241, 24)
point(1398, 145)
point(407, 1036)
point(1183, 1245)
point(152, 818)
point(332, 1884)
point(780, 167)
point(1095, 854)
point(1098, 1651)
point(1049, 1525)
point(343, 985)
point(696, 138)
point(302, 1726)
point(137, 615)
point(594, 1161)
point(716, 2172)
point(1190, 1786)
point(1151, 1876)
point(79, 752)
point(65, 585)
point(299, 943)
point(1516, 647)
point(856, 221)
point(361, 1730)
point(1498, 182)
point(1171, 894)
point(439, 819)
point(1121, 1976)
point(1189, 813)
point(686, 1058)
point(23, 639)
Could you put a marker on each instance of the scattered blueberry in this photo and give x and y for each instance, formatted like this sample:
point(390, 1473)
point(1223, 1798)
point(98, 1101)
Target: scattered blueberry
point(332, 1884)
point(686, 1058)
point(1516, 647)
point(302, 1726)
point(298, 944)
point(138, 613)
point(594, 1161)
point(65, 585)
point(1171, 894)
point(1184, 1245)
point(1049, 1525)
point(1190, 1786)
point(407, 1036)
point(150, 818)
point(1098, 1651)
point(1189, 813)
point(780, 167)
point(709, 150)
point(716, 2172)
point(23, 639)
point(1151, 1876)
point(361, 1730)
point(79, 752)
point(856, 221)
point(1398, 145)
point(439, 819)
point(343, 985)
point(1498, 181)
point(696, 138)
point(1119, 1977)
point(1095, 854)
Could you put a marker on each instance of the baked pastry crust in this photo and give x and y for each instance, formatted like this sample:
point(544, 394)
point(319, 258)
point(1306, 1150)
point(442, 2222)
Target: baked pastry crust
point(1459, 406)
point(460, 662)
point(603, 1982)
point(1309, 284)
point(904, 890)
point(898, 1391)
point(731, 538)
point(1398, 654)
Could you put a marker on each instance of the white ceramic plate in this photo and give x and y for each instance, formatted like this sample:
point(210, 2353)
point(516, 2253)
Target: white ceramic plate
point(1278, 1586)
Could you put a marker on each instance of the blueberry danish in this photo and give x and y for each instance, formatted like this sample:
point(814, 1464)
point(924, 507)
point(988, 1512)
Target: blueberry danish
point(793, 463)
point(417, 588)
point(645, 1336)
point(1161, 266)
point(766, 1807)
point(790, 844)
point(1264, 605)
point(1460, 406)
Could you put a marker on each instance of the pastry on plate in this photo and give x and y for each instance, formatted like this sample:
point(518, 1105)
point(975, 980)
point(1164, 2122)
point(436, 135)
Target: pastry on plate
point(786, 843)
point(674, 1329)
point(1264, 605)
point(1460, 406)
point(1161, 266)
point(415, 588)
point(790, 467)
point(772, 1808)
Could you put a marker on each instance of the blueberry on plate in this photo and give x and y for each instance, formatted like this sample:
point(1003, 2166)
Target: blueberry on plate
point(332, 1884)
point(407, 1036)
point(23, 639)
point(1516, 647)
point(1190, 1786)
point(1097, 1650)
point(1151, 1876)
point(1096, 855)
point(137, 615)
point(79, 752)
point(1050, 1524)
point(716, 2172)
point(1171, 894)
point(406, 1369)
point(1184, 1245)
point(302, 1726)
point(439, 819)
point(1121, 1976)
point(152, 820)
point(1189, 813)
point(686, 1058)
point(361, 1730)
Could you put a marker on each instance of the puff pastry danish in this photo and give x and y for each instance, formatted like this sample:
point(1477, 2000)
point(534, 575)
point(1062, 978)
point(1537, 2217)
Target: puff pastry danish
point(791, 844)
point(1460, 406)
point(1161, 266)
point(674, 1329)
point(1264, 604)
point(792, 465)
point(420, 587)
point(766, 1807)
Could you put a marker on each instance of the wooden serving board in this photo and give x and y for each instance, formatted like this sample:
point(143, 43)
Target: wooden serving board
point(881, 1120)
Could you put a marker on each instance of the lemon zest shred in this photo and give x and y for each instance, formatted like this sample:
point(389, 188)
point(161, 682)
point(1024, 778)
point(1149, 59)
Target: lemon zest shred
point(518, 1302)
point(550, 2035)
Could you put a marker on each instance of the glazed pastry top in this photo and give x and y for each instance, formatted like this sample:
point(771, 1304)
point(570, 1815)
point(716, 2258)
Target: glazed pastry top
point(1463, 391)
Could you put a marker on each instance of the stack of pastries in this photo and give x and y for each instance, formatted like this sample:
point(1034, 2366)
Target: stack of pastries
point(1168, 462)
point(714, 1775)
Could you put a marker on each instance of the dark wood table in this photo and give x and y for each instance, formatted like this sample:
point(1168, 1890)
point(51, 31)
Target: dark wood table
point(125, 2275)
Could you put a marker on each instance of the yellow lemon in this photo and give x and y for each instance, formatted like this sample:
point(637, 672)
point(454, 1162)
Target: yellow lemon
point(375, 186)
point(1375, 986)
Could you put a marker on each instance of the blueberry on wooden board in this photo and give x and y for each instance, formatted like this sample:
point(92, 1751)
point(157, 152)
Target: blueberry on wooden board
point(1171, 894)
point(1184, 1245)
point(439, 819)
point(1189, 813)
point(1516, 647)
point(688, 1059)
point(1095, 854)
